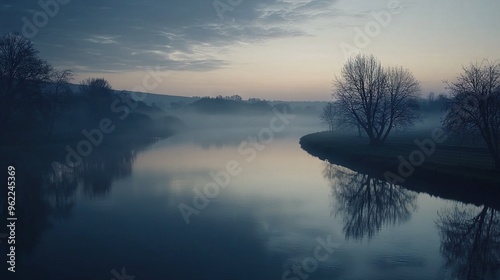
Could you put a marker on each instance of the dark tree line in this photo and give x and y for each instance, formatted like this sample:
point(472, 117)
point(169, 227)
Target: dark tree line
point(230, 105)
point(37, 102)
point(27, 103)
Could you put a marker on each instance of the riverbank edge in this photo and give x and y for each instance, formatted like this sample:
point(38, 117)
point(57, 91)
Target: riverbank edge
point(465, 184)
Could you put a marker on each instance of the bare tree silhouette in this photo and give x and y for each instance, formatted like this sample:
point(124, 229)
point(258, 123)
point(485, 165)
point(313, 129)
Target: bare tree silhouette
point(475, 105)
point(33, 94)
point(21, 74)
point(470, 241)
point(328, 116)
point(98, 96)
point(58, 95)
point(377, 99)
point(95, 87)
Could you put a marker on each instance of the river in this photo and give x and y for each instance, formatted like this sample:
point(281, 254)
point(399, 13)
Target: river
point(212, 204)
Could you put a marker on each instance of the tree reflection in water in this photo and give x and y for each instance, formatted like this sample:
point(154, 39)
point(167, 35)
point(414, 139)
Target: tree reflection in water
point(470, 241)
point(46, 191)
point(367, 204)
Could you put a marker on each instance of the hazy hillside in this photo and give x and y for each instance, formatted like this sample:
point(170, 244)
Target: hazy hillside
point(163, 101)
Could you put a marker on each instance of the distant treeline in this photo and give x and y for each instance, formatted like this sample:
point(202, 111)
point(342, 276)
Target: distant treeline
point(236, 105)
point(433, 103)
point(229, 105)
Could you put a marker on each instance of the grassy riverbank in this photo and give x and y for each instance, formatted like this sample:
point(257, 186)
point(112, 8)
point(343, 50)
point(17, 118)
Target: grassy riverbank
point(450, 171)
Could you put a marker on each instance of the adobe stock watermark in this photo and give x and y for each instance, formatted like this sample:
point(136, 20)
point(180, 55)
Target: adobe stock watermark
point(363, 37)
point(417, 157)
point(224, 6)
point(40, 18)
point(309, 265)
point(249, 150)
point(93, 138)
point(121, 276)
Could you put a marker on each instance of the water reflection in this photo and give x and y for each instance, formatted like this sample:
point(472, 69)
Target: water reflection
point(46, 191)
point(367, 204)
point(470, 241)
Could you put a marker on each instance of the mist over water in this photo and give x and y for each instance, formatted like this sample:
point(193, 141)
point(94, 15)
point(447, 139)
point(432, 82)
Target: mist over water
point(269, 219)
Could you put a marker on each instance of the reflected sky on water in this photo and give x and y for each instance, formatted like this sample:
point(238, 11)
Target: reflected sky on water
point(121, 209)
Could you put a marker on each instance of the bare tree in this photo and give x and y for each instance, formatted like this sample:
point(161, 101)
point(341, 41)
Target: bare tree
point(377, 99)
point(98, 96)
point(327, 116)
point(95, 87)
point(475, 105)
point(22, 73)
point(58, 95)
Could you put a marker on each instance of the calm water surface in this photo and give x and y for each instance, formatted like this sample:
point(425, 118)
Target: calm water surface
point(286, 215)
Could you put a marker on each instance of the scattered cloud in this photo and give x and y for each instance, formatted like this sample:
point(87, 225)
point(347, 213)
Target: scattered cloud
point(180, 35)
point(102, 39)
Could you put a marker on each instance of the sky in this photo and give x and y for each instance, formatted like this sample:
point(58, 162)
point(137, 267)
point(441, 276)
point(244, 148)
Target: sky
point(271, 49)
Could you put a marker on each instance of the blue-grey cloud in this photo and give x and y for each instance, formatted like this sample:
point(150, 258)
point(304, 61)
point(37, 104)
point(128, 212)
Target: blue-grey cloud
point(118, 35)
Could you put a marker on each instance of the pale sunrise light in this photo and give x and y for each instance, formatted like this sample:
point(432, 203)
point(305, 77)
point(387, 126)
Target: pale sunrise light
point(265, 49)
